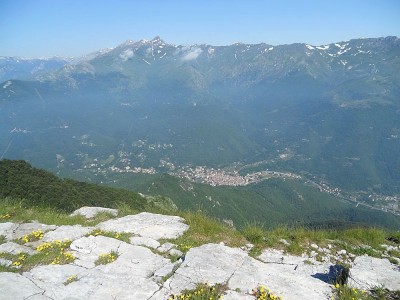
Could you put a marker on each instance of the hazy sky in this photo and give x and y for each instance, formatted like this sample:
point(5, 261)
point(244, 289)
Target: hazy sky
point(34, 28)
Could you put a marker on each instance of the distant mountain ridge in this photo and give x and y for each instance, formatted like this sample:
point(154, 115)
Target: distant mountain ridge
point(244, 65)
point(24, 68)
point(329, 113)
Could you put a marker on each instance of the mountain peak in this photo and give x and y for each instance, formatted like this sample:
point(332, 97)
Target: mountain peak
point(156, 39)
point(128, 42)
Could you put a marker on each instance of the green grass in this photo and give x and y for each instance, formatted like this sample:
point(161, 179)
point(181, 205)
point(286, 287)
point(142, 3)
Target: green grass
point(393, 261)
point(71, 279)
point(381, 293)
point(358, 241)
point(344, 292)
point(106, 258)
point(204, 229)
point(18, 210)
point(272, 202)
point(254, 234)
point(263, 293)
point(48, 253)
point(394, 253)
point(202, 292)
point(371, 236)
point(122, 236)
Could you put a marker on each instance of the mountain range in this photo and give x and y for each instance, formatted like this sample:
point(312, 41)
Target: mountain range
point(24, 68)
point(329, 115)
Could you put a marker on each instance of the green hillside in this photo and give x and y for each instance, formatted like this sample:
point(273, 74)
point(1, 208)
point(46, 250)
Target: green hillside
point(19, 180)
point(268, 203)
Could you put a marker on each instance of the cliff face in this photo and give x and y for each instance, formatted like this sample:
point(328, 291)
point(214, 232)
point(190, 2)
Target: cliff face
point(129, 258)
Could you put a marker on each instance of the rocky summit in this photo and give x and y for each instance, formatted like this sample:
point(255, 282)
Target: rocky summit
point(134, 257)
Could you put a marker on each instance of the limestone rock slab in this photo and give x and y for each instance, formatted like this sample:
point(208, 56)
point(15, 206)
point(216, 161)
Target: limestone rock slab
point(97, 283)
point(130, 276)
point(90, 212)
point(15, 286)
point(144, 241)
point(175, 252)
point(210, 263)
point(14, 231)
point(367, 272)
point(88, 249)
point(5, 262)
point(233, 295)
point(149, 225)
point(49, 275)
point(278, 256)
point(166, 247)
point(133, 260)
point(91, 288)
point(67, 232)
point(6, 229)
point(14, 248)
point(213, 264)
point(166, 270)
point(289, 281)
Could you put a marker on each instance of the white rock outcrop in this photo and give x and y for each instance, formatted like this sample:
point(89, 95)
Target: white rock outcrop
point(14, 231)
point(15, 286)
point(90, 212)
point(14, 248)
point(142, 268)
point(215, 263)
point(368, 272)
point(144, 241)
point(149, 225)
point(67, 232)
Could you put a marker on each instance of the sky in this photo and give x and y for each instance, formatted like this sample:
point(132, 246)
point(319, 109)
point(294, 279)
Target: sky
point(45, 28)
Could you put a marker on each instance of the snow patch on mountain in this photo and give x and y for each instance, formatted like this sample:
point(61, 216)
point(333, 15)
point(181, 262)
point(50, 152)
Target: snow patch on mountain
point(193, 53)
point(146, 62)
point(125, 55)
point(343, 51)
point(7, 84)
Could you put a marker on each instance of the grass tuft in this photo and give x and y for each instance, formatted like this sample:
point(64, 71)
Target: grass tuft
point(202, 292)
point(106, 258)
point(122, 236)
point(203, 229)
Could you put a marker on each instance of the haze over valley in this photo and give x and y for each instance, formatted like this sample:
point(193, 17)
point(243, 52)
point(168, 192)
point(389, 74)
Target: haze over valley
point(325, 118)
